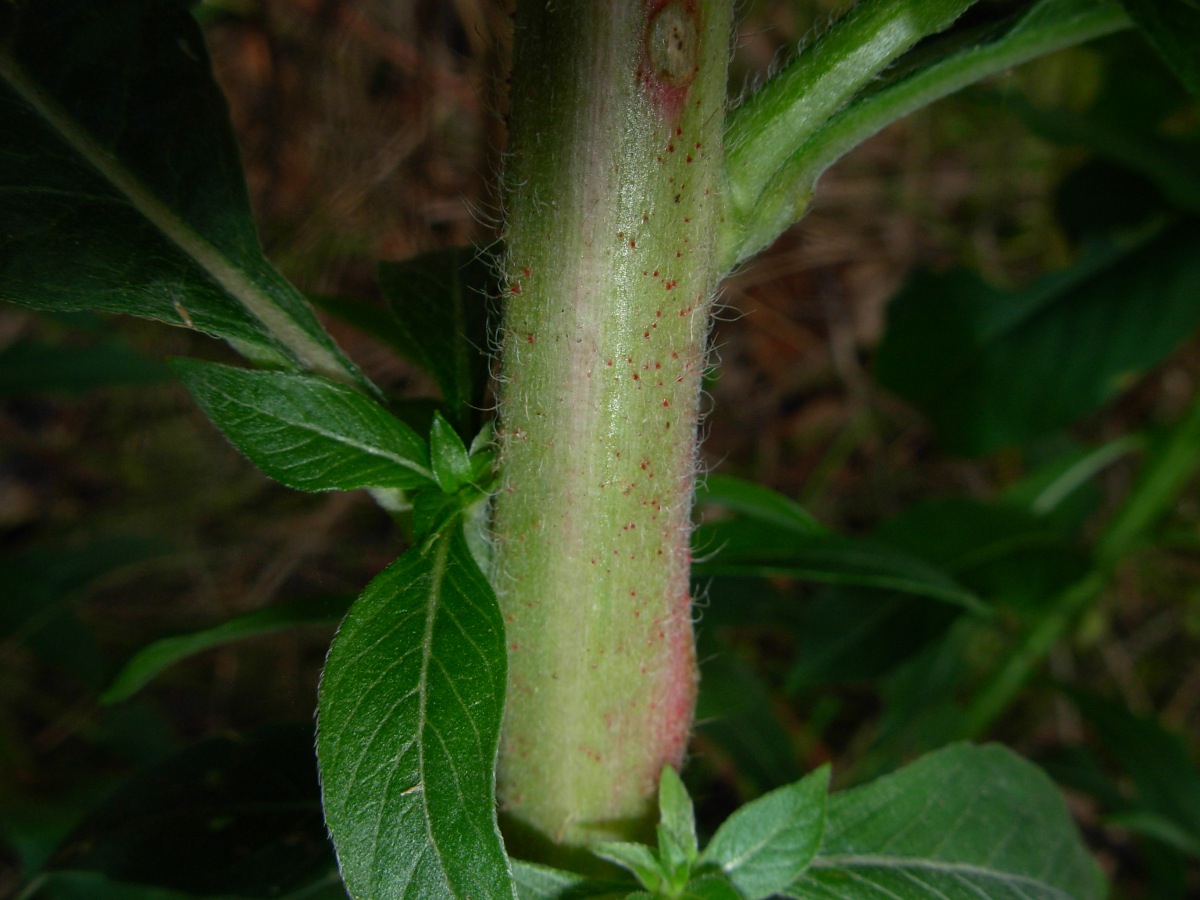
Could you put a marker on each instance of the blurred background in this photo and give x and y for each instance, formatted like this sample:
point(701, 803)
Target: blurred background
point(373, 130)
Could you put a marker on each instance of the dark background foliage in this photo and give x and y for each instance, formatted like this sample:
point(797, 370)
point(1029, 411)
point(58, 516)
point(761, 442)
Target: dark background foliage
point(374, 130)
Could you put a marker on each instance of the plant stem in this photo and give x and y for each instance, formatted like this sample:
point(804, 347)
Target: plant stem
point(780, 200)
point(613, 208)
point(765, 131)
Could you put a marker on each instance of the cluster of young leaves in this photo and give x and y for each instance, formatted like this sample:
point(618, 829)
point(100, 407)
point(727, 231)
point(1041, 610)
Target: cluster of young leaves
point(963, 822)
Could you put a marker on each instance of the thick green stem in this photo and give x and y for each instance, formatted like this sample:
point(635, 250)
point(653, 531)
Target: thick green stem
point(616, 120)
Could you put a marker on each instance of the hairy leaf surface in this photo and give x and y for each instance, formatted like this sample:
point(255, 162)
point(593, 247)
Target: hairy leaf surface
point(410, 707)
point(767, 843)
point(959, 824)
point(306, 432)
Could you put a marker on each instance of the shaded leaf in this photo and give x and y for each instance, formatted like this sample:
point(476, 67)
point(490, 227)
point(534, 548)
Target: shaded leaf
point(766, 844)
point(1173, 27)
point(734, 711)
point(636, 858)
point(1166, 782)
point(29, 367)
point(37, 588)
point(306, 432)
point(151, 660)
point(992, 368)
point(225, 816)
point(847, 634)
point(409, 712)
point(741, 547)
point(959, 824)
point(755, 501)
point(710, 887)
point(94, 886)
point(121, 185)
point(439, 301)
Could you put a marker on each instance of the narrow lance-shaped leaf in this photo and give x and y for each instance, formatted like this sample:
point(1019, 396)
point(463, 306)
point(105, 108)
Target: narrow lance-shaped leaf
point(410, 707)
point(120, 184)
point(959, 824)
point(308, 433)
point(746, 547)
point(151, 660)
point(757, 502)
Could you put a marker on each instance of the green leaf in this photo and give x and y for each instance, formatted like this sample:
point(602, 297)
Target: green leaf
point(1173, 28)
point(537, 882)
point(29, 367)
point(637, 858)
point(734, 712)
point(151, 660)
point(225, 816)
point(1166, 782)
point(409, 722)
point(439, 303)
point(306, 432)
point(992, 368)
point(959, 824)
point(451, 464)
point(121, 185)
point(677, 847)
point(39, 586)
point(710, 887)
point(742, 547)
point(757, 502)
point(1000, 551)
point(1047, 489)
point(765, 846)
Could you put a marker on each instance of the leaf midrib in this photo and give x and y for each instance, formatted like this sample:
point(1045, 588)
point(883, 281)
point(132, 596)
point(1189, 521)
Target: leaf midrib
point(336, 437)
point(275, 320)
